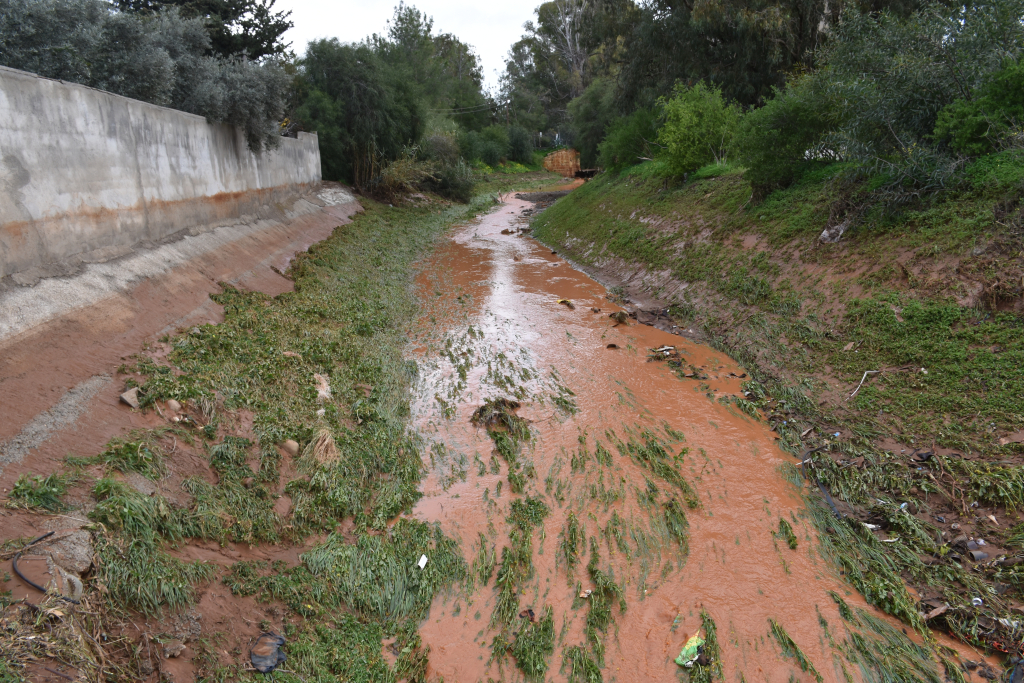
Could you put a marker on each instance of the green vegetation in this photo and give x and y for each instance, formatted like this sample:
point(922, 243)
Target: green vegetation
point(786, 534)
point(579, 667)
point(706, 673)
point(938, 326)
point(201, 64)
point(791, 649)
point(40, 493)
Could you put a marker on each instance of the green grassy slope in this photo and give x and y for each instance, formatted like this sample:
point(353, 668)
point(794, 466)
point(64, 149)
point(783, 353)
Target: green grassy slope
point(931, 297)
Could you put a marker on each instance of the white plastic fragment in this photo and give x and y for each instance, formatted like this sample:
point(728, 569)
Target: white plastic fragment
point(423, 561)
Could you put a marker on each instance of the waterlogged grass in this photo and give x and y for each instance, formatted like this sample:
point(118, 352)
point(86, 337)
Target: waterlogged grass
point(322, 365)
point(712, 669)
point(791, 649)
point(807, 320)
point(579, 666)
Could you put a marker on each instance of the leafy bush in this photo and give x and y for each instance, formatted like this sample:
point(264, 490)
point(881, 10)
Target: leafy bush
point(364, 110)
point(630, 140)
point(159, 58)
point(493, 145)
point(451, 177)
point(591, 114)
point(699, 127)
point(988, 120)
point(520, 145)
point(779, 141)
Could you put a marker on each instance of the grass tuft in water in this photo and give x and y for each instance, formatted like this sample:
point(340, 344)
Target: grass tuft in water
point(786, 533)
point(579, 667)
point(534, 645)
point(791, 649)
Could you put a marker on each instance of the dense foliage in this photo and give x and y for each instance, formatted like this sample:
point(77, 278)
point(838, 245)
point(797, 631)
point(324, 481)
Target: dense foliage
point(159, 57)
point(403, 109)
point(904, 94)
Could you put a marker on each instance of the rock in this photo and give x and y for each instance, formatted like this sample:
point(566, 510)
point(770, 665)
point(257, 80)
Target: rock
point(290, 447)
point(131, 397)
point(173, 406)
point(72, 550)
point(173, 648)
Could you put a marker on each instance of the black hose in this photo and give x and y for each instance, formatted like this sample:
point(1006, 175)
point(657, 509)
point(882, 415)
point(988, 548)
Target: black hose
point(14, 565)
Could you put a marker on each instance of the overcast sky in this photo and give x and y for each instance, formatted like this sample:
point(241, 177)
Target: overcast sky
point(490, 26)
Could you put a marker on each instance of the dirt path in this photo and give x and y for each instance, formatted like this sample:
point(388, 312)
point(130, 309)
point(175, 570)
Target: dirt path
point(497, 325)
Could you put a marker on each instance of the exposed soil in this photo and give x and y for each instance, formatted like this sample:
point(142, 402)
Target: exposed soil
point(61, 384)
point(498, 299)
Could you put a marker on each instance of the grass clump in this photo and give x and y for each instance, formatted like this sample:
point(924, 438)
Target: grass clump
point(534, 645)
point(579, 666)
point(137, 575)
point(483, 565)
point(711, 669)
point(675, 521)
point(648, 451)
point(786, 533)
point(605, 594)
point(791, 649)
point(39, 493)
point(572, 541)
point(509, 432)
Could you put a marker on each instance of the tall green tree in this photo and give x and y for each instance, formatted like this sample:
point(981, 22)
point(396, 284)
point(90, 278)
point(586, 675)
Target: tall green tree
point(249, 27)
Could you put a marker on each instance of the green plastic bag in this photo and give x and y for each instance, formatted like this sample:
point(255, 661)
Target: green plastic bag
point(690, 651)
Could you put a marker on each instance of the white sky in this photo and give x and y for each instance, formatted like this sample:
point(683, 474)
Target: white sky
point(490, 26)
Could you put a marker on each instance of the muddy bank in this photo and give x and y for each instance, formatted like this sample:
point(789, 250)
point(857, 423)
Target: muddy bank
point(506, 318)
point(64, 339)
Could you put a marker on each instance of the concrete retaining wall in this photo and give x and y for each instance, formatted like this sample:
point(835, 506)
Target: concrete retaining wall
point(86, 175)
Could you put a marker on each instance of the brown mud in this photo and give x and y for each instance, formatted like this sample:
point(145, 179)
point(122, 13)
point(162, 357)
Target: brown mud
point(38, 367)
point(42, 367)
point(506, 317)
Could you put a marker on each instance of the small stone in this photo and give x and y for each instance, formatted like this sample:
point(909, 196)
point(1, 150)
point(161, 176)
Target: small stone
point(173, 406)
point(291, 447)
point(131, 397)
point(173, 648)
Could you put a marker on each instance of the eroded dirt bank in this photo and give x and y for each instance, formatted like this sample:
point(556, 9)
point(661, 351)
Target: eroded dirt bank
point(612, 423)
point(56, 376)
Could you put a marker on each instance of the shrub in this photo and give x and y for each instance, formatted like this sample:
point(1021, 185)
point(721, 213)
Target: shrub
point(630, 140)
point(452, 177)
point(493, 145)
point(781, 140)
point(520, 145)
point(159, 58)
point(591, 114)
point(699, 127)
point(990, 119)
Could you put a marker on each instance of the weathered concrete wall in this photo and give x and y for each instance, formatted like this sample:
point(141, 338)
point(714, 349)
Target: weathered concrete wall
point(86, 175)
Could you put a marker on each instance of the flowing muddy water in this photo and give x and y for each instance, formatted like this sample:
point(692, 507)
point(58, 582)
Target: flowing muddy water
point(494, 326)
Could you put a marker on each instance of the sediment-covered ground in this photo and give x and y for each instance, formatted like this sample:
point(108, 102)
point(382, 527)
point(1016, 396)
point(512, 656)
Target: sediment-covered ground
point(441, 453)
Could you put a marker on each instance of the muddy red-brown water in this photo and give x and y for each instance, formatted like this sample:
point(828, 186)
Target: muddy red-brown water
point(506, 317)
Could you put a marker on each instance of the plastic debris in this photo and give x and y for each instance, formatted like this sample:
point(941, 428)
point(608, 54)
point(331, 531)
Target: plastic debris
point(266, 654)
point(423, 562)
point(691, 651)
point(977, 602)
point(565, 302)
point(323, 388)
point(586, 594)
